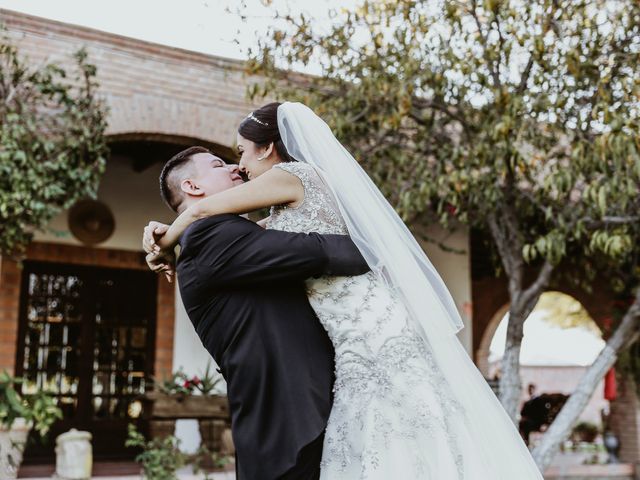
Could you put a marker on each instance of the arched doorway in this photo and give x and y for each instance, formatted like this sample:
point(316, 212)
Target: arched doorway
point(145, 149)
point(561, 340)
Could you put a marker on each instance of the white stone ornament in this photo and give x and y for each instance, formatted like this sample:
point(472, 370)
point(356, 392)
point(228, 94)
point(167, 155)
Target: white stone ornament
point(12, 442)
point(74, 456)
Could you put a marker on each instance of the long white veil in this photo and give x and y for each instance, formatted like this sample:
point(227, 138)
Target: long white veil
point(381, 236)
point(390, 249)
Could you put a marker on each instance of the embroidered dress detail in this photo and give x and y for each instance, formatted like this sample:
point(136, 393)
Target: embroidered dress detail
point(394, 415)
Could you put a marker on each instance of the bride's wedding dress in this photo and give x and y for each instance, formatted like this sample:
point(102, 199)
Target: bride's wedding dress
point(394, 413)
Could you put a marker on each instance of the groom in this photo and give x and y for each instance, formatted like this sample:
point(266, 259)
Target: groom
point(243, 288)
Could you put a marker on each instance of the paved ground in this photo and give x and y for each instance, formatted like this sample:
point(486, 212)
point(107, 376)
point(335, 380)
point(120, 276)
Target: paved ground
point(568, 466)
point(184, 474)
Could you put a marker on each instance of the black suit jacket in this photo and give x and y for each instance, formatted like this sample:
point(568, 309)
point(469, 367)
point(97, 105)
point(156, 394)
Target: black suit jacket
point(243, 288)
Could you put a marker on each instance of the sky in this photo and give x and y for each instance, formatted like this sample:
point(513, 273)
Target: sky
point(208, 26)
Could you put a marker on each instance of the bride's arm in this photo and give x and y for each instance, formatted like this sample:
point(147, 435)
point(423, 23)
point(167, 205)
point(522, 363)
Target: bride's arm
point(274, 187)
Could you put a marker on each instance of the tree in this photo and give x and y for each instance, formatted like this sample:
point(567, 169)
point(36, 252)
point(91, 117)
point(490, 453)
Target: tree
point(516, 118)
point(624, 339)
point(52, 146)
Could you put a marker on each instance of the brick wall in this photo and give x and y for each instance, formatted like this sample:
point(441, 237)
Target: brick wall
point(149, 88)
point(625, 421)
point(10, 276)
point(9, 304)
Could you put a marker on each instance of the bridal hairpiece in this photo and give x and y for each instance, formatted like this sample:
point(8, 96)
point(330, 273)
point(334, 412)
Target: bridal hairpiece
point(255, 119)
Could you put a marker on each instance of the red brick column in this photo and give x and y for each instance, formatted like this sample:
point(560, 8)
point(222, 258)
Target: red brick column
point(625, 420)
point(9, 305)
point(165, 319)
point(10, 276)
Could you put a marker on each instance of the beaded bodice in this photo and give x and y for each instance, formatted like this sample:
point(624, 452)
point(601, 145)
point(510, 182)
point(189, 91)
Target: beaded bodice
point(318, 212)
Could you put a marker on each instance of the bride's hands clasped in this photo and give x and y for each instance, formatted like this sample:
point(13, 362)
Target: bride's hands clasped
point(152, 237)
point(160, 258)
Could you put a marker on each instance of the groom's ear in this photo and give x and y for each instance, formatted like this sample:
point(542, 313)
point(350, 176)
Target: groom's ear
point(189, 187)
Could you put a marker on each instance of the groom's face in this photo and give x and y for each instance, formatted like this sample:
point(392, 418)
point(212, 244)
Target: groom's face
point(213, 175)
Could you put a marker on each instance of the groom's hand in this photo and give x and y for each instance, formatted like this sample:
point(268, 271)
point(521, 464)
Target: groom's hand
point(152, 233)
point(162, 263)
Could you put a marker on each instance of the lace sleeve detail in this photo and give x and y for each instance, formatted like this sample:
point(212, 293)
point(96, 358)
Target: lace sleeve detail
point(304, 172)
point(316, 213)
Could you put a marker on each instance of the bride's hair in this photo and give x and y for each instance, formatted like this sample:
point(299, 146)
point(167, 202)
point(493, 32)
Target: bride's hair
point(261, 127)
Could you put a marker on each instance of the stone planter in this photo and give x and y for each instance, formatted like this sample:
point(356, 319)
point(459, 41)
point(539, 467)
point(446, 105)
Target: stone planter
point(12, 442)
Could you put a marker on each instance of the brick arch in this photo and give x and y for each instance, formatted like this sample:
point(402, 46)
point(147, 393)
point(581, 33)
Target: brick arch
point(148, 88)
point(482, 352)
point(153, 118)
point(224, 151)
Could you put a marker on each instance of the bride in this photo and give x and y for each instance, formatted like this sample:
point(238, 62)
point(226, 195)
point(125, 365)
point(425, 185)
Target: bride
point(408, 401)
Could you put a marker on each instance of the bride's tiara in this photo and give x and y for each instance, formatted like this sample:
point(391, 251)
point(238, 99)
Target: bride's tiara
point(255, 119)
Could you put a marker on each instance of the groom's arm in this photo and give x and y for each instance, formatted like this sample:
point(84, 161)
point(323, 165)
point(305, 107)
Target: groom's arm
point(232, 250)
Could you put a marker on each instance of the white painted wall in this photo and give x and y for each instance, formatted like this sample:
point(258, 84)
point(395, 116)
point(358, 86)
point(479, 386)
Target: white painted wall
point(189, 354)
point(455, 270)
point(134, 199)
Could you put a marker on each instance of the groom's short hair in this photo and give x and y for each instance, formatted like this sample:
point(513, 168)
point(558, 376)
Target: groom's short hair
point(172, 175)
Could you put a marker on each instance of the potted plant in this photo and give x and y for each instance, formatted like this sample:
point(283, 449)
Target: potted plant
point(160, 458)
point(182, 396)
point(18, 415)
point(585, 432)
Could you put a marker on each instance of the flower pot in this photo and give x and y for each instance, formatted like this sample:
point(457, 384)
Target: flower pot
point(12, 442)
point(216, 436)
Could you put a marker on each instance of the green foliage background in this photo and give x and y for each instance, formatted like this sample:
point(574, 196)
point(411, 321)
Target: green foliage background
point(519, 119)
point(52, 146)
point(518, 114)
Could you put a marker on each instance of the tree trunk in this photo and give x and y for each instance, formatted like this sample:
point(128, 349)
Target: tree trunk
point(522, 302)
point(510, 382)
point(626, 333)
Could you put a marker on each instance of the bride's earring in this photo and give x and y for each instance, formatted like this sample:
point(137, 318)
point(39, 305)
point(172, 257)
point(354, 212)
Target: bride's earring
point(265, 154)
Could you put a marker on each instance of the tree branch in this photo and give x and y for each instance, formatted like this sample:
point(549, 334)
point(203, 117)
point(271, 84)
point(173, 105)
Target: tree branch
point(533, 291)
point(610, 220)
point(525, 75)
point(510, 254)
point(492, 69)
point(451, 112)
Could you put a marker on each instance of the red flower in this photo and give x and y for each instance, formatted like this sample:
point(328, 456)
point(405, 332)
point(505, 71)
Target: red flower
point(196, 381)
point(187, 384)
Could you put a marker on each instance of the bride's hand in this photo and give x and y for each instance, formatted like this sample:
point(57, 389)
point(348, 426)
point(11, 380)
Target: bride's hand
point(162, 263)
point(152, 237)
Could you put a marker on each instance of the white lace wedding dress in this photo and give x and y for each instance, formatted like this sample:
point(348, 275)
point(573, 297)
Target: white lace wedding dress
point(394, 415)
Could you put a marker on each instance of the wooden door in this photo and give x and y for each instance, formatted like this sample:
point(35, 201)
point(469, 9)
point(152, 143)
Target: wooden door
point(87, 336)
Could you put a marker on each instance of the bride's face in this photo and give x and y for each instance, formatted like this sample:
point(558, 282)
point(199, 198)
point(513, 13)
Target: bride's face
point(255, 160)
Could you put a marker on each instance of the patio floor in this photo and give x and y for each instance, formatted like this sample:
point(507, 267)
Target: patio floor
point(119, 471)
point(566, 466)
point(183, 474)
point(556, 472)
